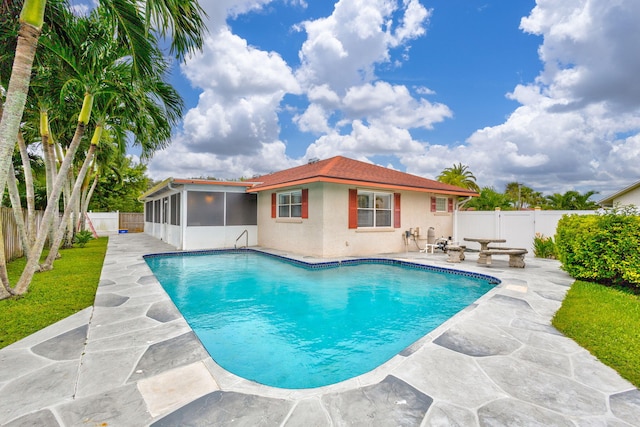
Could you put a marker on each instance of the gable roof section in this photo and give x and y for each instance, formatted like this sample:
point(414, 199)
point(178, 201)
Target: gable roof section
point(609, 199)
point(342, 170)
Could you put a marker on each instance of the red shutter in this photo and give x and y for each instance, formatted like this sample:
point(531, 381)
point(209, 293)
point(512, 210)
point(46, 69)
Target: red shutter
point(305, 203)
point(353, 208)
point(433, 204)
point(450, 204)
point(396, 210)
point(273, 205)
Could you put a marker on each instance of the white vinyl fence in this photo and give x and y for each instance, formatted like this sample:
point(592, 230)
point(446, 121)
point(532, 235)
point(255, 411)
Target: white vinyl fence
point(518, 228)
point(104, 223)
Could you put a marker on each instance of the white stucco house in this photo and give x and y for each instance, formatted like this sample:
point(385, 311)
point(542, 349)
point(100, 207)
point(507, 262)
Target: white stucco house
point(628, 196)
point(329, 208)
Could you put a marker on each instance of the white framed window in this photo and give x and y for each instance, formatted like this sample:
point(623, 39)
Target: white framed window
point(441, 204)
point(290, 204)
point(374, 209)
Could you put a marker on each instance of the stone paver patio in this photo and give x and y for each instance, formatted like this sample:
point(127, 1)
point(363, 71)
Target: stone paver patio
point(132, 360)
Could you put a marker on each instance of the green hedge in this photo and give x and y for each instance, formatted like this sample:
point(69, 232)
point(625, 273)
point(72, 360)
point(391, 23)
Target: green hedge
point(602, 248)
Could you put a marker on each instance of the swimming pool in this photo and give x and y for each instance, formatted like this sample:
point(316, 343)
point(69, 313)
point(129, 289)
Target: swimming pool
point(294, 325)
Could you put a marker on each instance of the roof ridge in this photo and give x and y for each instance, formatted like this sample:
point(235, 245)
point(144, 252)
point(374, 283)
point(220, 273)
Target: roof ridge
point(330, 164)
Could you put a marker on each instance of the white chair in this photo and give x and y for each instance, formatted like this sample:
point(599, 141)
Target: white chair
point(429, 248)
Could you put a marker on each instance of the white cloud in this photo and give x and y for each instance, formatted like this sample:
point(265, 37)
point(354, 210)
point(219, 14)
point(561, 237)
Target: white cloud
point(237, 110)
point(413, 22)
point(565, 132)
point(589, 50)
point(355, 37)
point(243, 88)
point(219, 10)
point(179, 161)
point(394, 105)
point(365, 140)
point(314, 119)
point(577, 123)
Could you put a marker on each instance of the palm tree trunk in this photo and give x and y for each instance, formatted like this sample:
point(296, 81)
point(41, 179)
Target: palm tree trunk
point(69, 208)
point(52, 208)
point(31, 20)
point(87, 199)
point(18, 213)
point(65, 224)
point(30, 194)
point(5, 288)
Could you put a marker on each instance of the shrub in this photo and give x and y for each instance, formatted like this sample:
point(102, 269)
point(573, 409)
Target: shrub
point(601, 248)
point(544, 247)
point(82, 238)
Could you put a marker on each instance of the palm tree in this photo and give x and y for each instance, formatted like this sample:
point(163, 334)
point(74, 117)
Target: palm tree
point(460, 176)
point(572, 200)
point(488, 200)
point(91, 58)
point(523, 196)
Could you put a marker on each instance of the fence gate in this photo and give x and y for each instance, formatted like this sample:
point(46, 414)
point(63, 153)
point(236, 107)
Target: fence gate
point(133, 222)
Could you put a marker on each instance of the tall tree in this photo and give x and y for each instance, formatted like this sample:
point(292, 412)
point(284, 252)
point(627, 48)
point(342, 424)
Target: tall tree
point(459, 175)
point(123, 101)
point(31, 20)
point(523, 196)
point(153, 121)
point(119, 187)
point(572, 200)
point(488, 200)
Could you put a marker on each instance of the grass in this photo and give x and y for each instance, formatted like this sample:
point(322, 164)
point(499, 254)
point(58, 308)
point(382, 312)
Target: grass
point(53, 295)
point(605, 321)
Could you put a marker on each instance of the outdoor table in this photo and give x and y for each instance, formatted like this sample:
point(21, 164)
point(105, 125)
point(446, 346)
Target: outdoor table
point(484, 245)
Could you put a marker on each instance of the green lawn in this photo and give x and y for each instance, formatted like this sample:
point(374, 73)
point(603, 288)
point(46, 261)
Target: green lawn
point(605, 321)
point(53, 295)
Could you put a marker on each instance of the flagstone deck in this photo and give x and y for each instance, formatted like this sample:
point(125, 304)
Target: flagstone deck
point(132, 360)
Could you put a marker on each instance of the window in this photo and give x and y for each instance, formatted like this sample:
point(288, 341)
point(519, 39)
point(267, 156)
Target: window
point(290, 204)
point(369, 209)
point(374, 209)
point(441, 204)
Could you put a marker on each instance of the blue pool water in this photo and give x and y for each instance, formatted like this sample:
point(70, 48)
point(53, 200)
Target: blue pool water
point(287, 326)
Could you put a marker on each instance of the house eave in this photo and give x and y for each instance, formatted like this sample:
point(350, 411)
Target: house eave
point(358, 183)
point(608, 201)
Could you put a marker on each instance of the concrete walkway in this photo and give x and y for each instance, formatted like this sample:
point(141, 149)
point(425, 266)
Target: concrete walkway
point(132, 360)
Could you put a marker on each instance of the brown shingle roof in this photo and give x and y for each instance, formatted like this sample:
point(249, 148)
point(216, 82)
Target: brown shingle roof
point(342, 170)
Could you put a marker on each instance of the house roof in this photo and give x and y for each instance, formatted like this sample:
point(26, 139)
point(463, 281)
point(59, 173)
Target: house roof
point(607, 201)
point(342, 170)
point(171, 183)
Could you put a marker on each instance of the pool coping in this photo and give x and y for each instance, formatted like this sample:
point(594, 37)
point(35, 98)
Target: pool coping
point(131, 359)
point(319, 264)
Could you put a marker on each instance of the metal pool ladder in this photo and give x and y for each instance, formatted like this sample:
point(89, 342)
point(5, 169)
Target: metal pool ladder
point(246, 235)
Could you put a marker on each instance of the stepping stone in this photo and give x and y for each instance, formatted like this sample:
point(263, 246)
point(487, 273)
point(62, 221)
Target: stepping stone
point(391, 402)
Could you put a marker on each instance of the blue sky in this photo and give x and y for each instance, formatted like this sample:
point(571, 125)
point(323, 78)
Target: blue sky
point(543, 92)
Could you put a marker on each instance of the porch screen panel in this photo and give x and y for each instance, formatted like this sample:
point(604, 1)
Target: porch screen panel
point(148, 211)
point(205, 208)
point(242, 209)
point(165, 203)
point(156, 211)
point(175, 209)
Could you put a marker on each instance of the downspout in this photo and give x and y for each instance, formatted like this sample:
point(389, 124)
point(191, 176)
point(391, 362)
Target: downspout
point(455, 218)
